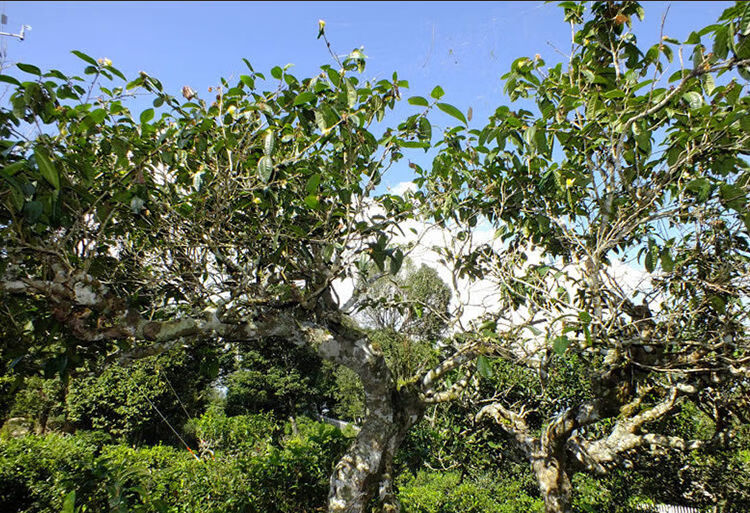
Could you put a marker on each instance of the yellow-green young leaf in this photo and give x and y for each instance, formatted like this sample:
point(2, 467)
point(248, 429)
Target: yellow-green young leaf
point(452, 111)
point(265, 168)
point(709, 84)
point(312, 201)
point(437, 92)
point(268, 143)
point(351, 94)
point(47, 168)
point(320, 120)
point(69, 504)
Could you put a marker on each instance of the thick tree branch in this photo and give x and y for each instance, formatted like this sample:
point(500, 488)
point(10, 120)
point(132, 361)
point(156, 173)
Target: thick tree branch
point(625, 436)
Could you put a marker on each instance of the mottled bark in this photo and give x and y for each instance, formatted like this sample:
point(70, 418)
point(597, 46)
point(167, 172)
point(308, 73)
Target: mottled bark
point(554, 483)
point(366, 469)
point(562, 446)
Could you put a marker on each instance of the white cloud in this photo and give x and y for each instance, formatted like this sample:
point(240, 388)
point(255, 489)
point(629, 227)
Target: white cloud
point(403, 187)
point(473, 298)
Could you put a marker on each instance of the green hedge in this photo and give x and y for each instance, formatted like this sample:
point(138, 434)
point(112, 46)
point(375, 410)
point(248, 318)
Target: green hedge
point(255, 467)
point(449, 492)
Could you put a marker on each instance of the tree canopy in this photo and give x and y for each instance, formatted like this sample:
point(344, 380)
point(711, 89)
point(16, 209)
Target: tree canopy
point(615, 187)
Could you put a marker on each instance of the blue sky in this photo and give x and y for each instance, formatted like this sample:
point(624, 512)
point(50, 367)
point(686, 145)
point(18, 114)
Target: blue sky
point(463, 46)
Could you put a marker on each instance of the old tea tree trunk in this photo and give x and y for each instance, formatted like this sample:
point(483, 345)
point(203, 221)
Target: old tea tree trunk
point(366, 470)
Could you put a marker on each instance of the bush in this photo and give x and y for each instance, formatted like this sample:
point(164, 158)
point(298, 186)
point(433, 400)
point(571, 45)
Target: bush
point(241, 433)
point(37, 472)
point(256, 467)
point(119, 399)
point(449, 492)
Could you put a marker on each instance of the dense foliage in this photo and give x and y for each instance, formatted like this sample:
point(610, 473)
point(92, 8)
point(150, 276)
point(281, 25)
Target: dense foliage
point(172, 339)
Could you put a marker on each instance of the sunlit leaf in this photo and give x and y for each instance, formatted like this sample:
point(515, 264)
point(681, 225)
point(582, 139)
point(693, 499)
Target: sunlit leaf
point(419, 101)
point(47, 167)
point(452, 111)
point(265, 168)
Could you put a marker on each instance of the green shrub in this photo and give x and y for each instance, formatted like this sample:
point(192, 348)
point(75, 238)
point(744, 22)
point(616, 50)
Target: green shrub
point(448, 492)
point(240, 433)
point(256, 467)
point(37, 472)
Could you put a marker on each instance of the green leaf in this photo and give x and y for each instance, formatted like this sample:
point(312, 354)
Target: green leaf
point(98, 115)
point(560, 344)
point(325, 118)
point(14, 168)
point(85, 57)
point(397, 260)
point(334, 76)
point(584, 317)
point(732, 196)
point(718, 303)
point(276, 72)
point(650, 261)
point(312, 201)
point(425, 129)
point(32, 211)
point(265, 168)
point(693, 98)
point(147, 115)
point(269, 143)
point(304, 97)
point(419, 101)
point(701, 187)
point(47, 168)
point(9, 80)
point(452, 111)
point(414, 144)
point(69, 503)
point(116, 72)
point(666, 260)
point(312, 183)
point(248, 81)
point(437, 92)
point(483, 367)
point(29, 68)
point(721, 43)
point(351, 94)
point(693, 39)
